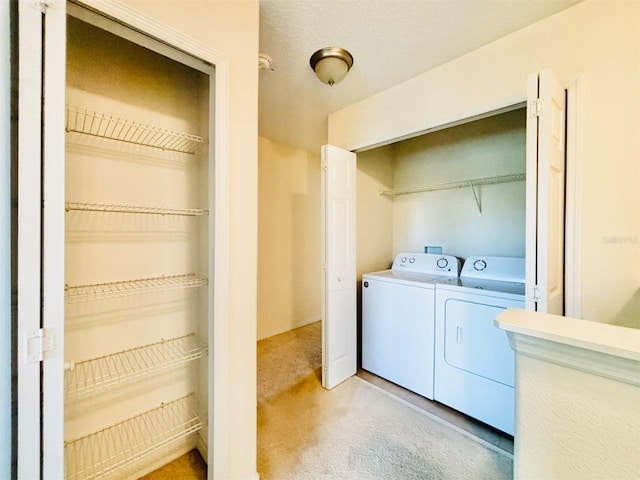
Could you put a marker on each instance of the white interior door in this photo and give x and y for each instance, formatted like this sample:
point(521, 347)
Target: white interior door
point(546, 113)
point(339, 325)
point(40, 238)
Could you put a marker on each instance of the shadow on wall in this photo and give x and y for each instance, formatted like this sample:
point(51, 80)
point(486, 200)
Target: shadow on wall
point(628, 315)
point(306, 242)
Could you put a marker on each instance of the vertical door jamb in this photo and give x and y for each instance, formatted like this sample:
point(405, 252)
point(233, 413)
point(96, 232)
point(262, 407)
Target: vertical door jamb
point(6, 226)
point(218, 366)
point(53, 236)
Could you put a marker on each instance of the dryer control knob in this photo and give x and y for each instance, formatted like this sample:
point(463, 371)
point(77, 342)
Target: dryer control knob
point(412, 260)
point(479, 265)
point(442, 262)
point(403, 259)
point(366, 284)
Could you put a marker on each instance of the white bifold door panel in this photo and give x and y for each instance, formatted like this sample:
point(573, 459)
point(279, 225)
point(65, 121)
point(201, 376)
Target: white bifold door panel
point(40, 238)
point(339, 327)
point(546, 157)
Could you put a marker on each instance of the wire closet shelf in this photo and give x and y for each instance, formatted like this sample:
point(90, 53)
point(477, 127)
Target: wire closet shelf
point(99, 291)
point(103, 372)
point(117, 446)
point(517, 177)
point(104, 125)
point(144, 210)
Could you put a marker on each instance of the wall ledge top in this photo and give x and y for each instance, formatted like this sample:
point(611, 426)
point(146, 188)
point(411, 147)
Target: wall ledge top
point(598, 348)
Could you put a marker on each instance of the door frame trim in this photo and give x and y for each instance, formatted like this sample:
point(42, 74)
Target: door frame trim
point(31, 461)
point(573, 177)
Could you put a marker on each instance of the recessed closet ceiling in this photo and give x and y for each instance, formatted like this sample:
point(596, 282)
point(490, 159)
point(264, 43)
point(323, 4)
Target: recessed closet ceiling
point(391, 41)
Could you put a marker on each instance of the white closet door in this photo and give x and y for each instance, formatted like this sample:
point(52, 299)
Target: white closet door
point(546, 112)
point(339, 325)
point(41, 238)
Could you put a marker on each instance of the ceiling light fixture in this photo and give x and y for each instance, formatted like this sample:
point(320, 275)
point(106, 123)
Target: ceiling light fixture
point(331, 64)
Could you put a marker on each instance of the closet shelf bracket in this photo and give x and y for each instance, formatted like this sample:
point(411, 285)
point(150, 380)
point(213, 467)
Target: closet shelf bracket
point(476, 196)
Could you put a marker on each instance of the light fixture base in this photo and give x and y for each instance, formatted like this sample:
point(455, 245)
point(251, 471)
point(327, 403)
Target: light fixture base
point(264, 62)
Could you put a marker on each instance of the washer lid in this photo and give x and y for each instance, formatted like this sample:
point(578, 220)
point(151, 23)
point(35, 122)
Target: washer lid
point(406, 278)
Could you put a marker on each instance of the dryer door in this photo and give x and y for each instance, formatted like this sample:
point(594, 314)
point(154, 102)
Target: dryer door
point(473, 344)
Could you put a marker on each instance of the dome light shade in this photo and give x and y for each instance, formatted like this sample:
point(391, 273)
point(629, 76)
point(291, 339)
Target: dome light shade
point(331, 64)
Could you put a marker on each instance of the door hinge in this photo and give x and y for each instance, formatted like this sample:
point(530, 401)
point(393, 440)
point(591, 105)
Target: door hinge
point(41, 5)
point(38, 343)
point(535, 293)
point(535, 108)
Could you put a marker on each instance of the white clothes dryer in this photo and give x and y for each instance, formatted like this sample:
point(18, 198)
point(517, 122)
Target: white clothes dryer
point(474, 364)
point(398, 319)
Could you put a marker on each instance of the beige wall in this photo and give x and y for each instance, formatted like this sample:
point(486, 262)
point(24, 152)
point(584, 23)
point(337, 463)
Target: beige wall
point(231, 28)
point(289, 240)
point(374, 213)
point(595, 41)
point(574, 425)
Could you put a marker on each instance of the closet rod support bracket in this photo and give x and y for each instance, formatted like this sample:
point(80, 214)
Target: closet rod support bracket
point(476, 196)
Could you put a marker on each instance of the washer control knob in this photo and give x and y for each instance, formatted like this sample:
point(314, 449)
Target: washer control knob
point(366, 284)
point(442, 262)
point(479, 265)
point(403, 259)
point(412, 260)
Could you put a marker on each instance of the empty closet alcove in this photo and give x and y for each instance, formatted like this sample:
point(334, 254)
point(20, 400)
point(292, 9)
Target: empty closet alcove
point(461, 187)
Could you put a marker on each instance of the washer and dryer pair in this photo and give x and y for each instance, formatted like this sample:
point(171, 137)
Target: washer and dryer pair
point(432, 332)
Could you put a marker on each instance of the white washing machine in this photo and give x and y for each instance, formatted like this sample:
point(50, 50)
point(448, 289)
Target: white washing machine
point(398, 319)
point(474, 364)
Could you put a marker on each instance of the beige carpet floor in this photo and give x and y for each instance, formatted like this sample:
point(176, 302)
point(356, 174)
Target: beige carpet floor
point(355, 431)
point(188, 467)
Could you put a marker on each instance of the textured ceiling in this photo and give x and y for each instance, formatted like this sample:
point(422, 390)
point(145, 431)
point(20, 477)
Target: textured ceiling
point(391, 41)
